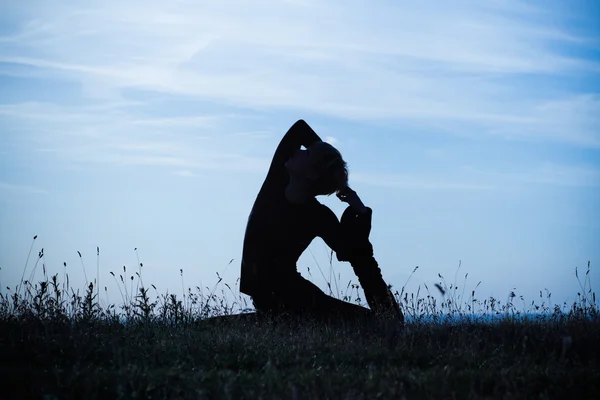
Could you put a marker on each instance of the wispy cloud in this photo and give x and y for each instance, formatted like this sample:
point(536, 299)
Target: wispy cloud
point(14, 188)
point(185, 173)
point(435, 153)
point(174, 86)
point(484, 179)
point(552, 174)
point(416, 182)
point(427, 63)
point(83, 135)
point(574, 119)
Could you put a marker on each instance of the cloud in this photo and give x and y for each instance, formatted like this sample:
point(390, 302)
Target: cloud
point(195, 86)
point(459, 66)
point(15, 188)
point(415, 182)
point(185, 173)
point(561, 175)
point(574, 119)
point(435, 153)
point(482, 178)
point(81, 135)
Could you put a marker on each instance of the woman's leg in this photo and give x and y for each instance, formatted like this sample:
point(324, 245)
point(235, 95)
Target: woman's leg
point(297, 296)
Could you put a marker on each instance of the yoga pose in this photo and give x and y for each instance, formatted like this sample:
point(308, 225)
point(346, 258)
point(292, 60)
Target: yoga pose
point(286, 217)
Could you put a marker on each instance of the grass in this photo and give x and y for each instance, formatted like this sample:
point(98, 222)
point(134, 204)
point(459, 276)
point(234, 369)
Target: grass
point(58, 343)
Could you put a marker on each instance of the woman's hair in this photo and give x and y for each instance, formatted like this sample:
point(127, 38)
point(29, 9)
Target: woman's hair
point(330, 167)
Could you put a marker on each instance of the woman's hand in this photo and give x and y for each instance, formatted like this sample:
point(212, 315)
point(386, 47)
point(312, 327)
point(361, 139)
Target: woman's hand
point(350, 197)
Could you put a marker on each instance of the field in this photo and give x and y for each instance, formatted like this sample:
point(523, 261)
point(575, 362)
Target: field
point(56, 343)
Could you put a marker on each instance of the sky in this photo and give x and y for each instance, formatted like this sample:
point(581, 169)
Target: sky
point(471, 128)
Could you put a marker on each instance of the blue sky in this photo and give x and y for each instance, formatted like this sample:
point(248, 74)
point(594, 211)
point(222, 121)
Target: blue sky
point(471, 128)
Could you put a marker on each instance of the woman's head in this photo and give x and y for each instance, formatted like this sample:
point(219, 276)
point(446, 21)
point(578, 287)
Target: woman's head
point(331, 171)
point(319, 170)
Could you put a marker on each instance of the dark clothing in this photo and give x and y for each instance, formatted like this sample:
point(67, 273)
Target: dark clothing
point(278, 232)
point(297, 296)
point(355, 229)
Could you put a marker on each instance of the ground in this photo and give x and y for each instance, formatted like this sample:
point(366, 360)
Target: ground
point(109, 359)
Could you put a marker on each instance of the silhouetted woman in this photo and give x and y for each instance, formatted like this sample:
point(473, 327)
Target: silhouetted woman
point(286, 217)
